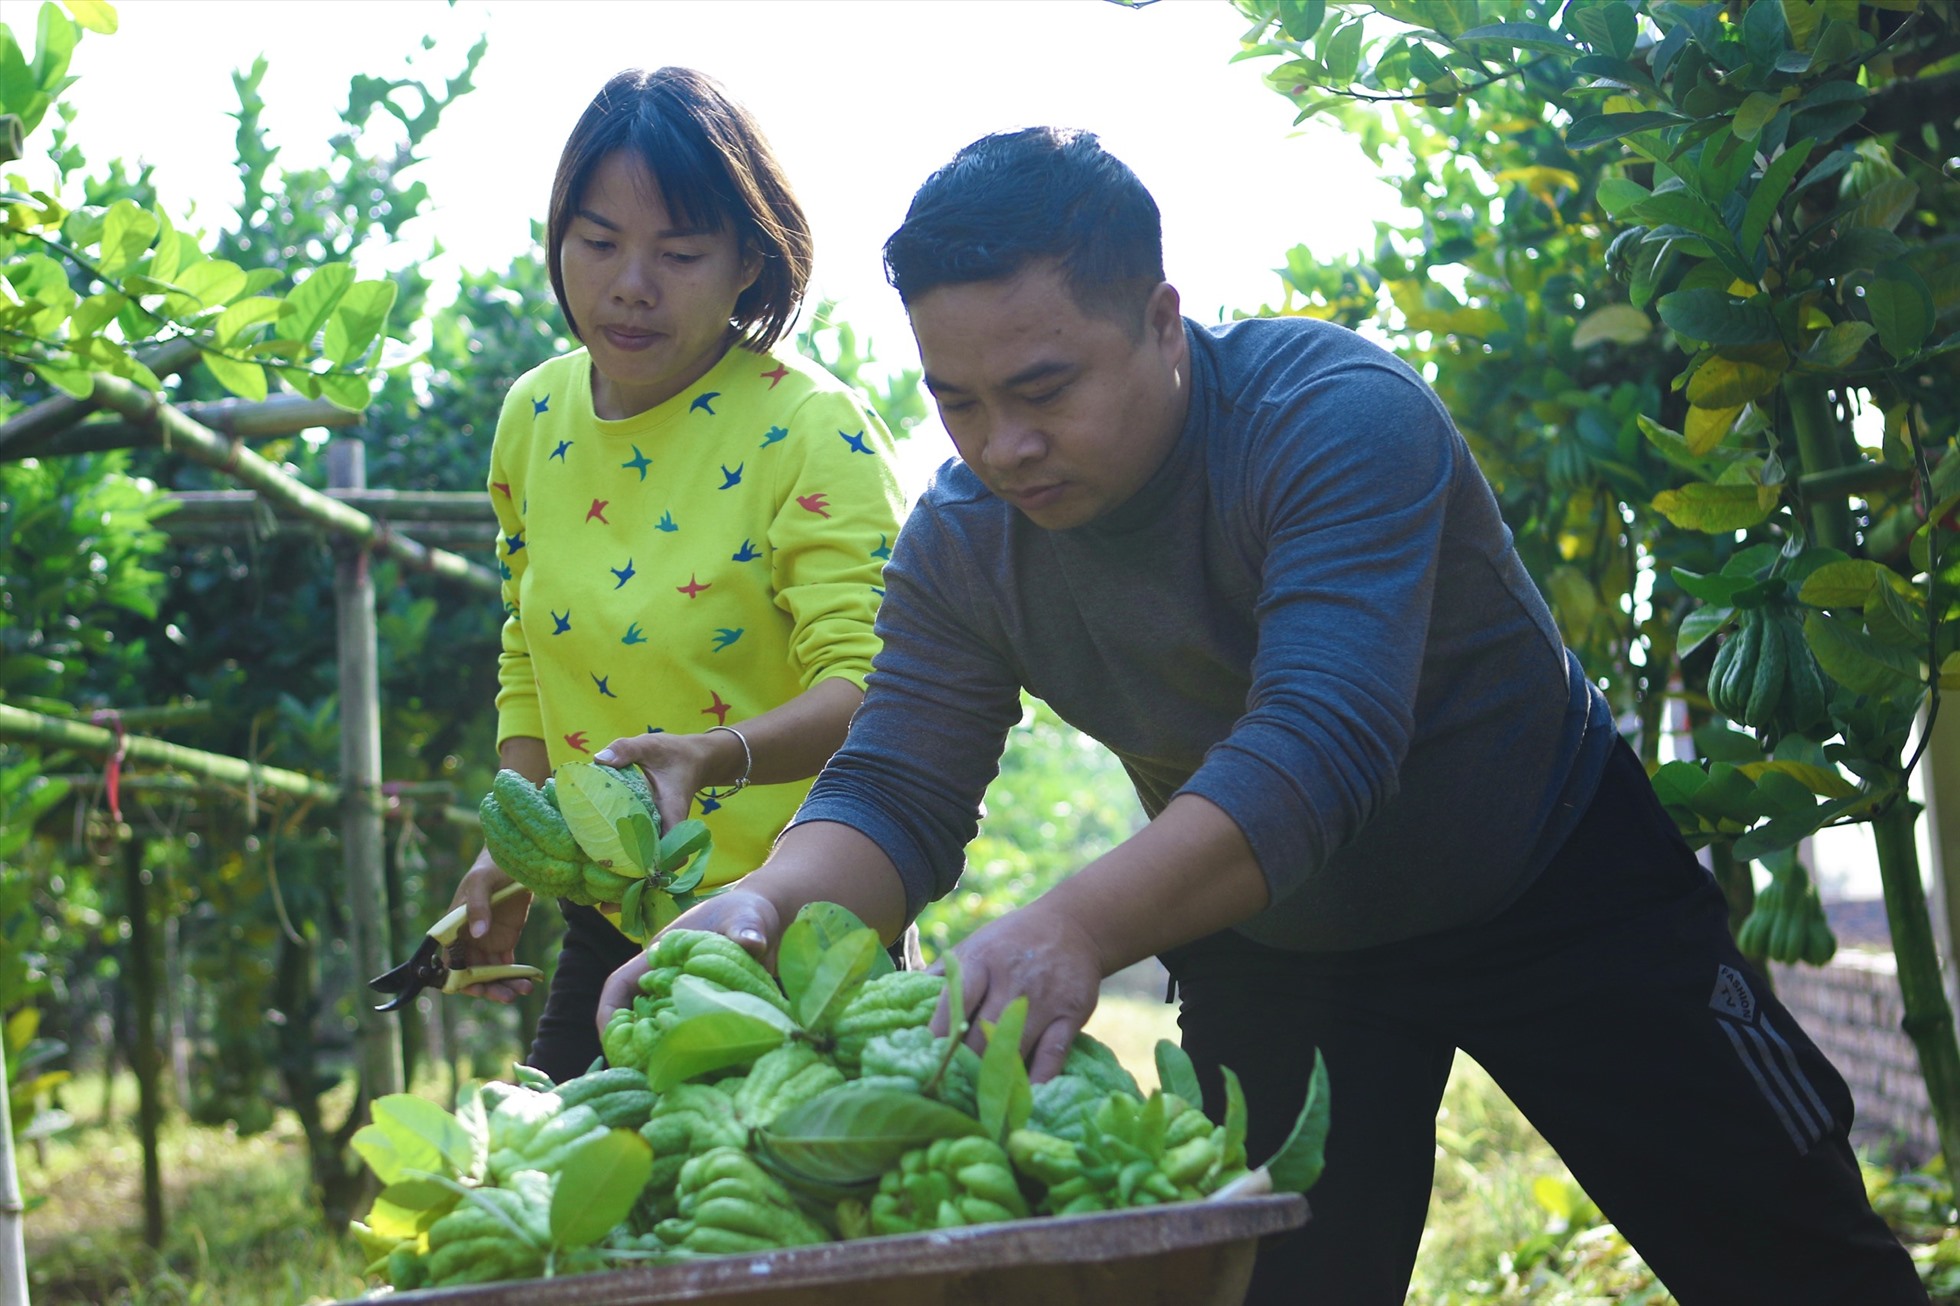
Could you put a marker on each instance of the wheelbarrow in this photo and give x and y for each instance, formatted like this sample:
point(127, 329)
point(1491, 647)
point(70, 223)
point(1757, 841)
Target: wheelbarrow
point(1185, 1254)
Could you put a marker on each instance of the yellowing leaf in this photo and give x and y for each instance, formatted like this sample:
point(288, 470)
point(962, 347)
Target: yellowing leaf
point(1824, 781)
point(1620, 324)
point(1706, 427)
point(1700, 506)
point(97, 16)
point(1726, 381)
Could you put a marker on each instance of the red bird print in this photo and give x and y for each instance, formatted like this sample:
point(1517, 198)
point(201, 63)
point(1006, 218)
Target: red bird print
point(577, 740)
point(818, 503)
point(598, 509)
point(501, 485)
point(718, 709)
point(778, 374)
point(693, 587)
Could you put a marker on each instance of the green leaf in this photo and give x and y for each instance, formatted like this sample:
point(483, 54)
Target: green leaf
point(1620, 324)
point(1342, 54)
point(1754, 114)
point(1836, 347)
point(1297, 1164)
point(1901, 307)
point(849, 1135)
point(637, 839)
point(1176, 1074)
point(405, 1209)
point(1765, 36)
point(1855, 660)
point(1611, 29)
point(818, 927)
point(359, 318)
point(1300, 19)
point(701, 1044)
point(95, 312)
point(242, 317)
point(1769, 193)
point(204, 286)
point(1006, 1098)
point(345, 390)
point(1701, 506)
point(1618, 194)
point(601, 1180)
point(594, 802)
point(1698, 626)
point(96, 15)
point(1711, 316)
point(55, 41)
point(127, 231)
point(1725, 381)
point(694, 996)
point(680, 843)
point(1236, 1119)
point(244, 379)
point(840, 972)
point(313, 301)
point(1523, 36)
point(1601, 128)
point(412, 1136)
point(1844, 584)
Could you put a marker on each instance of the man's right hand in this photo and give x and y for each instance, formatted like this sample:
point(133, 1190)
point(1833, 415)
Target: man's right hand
point(744, 916)
point(489, 934)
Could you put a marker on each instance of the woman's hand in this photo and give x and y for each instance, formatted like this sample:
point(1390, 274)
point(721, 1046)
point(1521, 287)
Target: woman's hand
point(678, 766)
point(748, 918)
point(490, 931)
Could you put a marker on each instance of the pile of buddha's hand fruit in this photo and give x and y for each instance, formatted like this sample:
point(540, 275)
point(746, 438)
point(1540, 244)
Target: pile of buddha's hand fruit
point(591, 834)
point(739, 1112)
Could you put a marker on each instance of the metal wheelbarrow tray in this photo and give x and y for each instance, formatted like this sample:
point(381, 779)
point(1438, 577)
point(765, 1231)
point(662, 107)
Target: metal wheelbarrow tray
point(1185, 1254)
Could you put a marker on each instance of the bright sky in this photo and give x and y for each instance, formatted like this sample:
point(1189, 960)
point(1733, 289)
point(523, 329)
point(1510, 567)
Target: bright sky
point(861, 98)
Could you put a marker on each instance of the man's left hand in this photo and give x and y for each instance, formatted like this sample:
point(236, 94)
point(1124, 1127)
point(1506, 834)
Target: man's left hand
point(1041, 953)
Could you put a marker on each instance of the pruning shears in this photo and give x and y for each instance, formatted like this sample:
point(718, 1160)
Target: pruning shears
point(429, 967)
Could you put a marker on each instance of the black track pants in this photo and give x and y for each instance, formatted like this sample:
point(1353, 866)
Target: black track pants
point(567, 1040)
point(1611, 1005)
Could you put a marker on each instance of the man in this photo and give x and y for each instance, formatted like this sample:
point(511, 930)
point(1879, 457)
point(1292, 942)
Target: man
point(1390, 817)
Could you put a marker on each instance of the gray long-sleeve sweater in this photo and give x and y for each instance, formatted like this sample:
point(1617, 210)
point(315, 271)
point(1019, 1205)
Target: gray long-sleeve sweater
point(1310, 615)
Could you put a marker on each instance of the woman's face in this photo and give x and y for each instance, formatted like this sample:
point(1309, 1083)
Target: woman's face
point(651, 298)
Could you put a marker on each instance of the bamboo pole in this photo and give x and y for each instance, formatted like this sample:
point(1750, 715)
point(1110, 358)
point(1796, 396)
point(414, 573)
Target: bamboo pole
point(147, 1062)
point(282, 491)
point(280, 415)
point(33, 728)
point(409, 508)
point(13, 1242)
point(1928, 1020)
point(362, 844)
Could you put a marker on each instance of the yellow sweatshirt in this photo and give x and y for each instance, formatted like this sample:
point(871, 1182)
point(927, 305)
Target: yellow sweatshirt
point(692, 566)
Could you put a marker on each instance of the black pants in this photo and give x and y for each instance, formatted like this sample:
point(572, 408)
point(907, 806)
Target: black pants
point(567, 1039)
point(1612, 1006)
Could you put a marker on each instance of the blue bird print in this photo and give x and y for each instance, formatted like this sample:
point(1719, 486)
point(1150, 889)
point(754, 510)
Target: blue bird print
point(746, 553)
point(559, 625)
point(541, 405)
point(724, 637)
point(512, 543)
point(705, 402)
point(638, 462)
point(559, 452)
point(856, 442)
point(774, 435)
point(624, 573)
point(884, 549)
point(605, 690)
point(633, 635)
point(666, 522)
point(729, 480)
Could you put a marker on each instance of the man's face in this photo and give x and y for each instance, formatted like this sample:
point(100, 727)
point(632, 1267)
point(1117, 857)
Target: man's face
point(1062, 413)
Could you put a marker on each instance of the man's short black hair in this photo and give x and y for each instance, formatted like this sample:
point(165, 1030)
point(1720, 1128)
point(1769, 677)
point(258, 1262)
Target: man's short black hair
point(1042, 193)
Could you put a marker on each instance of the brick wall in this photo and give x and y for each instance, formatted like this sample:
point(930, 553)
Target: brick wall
point(1851, 1010)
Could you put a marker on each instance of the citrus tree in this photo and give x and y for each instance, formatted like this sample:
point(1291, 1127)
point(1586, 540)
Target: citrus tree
point(1685, 272)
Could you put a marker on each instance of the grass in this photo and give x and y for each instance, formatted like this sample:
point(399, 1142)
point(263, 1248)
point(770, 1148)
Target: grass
point(1506, 1222)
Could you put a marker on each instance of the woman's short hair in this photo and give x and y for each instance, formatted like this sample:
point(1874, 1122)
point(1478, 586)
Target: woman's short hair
point(715, 170)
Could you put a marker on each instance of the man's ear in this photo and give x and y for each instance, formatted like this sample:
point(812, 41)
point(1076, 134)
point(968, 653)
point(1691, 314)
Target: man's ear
point(1163, 322)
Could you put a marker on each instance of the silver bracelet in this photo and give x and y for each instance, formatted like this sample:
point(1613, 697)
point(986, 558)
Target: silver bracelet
point(748, 764)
